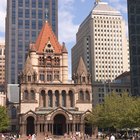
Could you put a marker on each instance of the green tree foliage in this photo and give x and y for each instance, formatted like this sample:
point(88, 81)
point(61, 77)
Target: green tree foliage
point(4, 119)
point(117, 112)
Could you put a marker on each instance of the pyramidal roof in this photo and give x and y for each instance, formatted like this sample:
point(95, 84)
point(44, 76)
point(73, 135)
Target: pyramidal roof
point(81, 67)
point(28, 66)
point(46, 34)
point(104, 8)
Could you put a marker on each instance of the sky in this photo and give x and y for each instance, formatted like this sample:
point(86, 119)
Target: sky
point(71, 14)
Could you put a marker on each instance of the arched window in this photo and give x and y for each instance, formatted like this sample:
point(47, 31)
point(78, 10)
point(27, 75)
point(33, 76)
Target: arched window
point(26, 95)
point(50, 101)
point(64, 98)
point(71, 98)
point(56, 98)
point(32, 95)
point(87, 96)
point(81, 96)
point(13, 112)
point(43, 99)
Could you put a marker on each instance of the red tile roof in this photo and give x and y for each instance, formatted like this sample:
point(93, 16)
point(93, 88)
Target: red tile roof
point(46, 34)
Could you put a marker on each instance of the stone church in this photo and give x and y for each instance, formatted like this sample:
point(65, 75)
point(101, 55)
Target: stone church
point(49, 102)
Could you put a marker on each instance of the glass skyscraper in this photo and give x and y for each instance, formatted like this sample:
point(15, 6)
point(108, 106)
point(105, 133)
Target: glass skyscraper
point(134, 43)
point(24, 20)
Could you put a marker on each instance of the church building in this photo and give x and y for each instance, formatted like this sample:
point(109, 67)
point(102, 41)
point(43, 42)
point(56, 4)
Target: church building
point(49, 102)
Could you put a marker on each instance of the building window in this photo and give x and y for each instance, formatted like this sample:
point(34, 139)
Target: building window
point(49, 75)
point(13, 113)
point(50, 102)
point(32, 95)
point(42, 77)
point(81, 96)
point(56, 75)
point(56, 98)
point(71, 98)
point(26, 95)
point(87, 96)
point(43, 99)
point(64, 98)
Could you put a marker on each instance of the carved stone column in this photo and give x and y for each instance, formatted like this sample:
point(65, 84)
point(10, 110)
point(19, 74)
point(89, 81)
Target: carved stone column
point(54, 99)
point(67, 101)
point(46, 99)
point(60, 99)
point(46, 127)
point(82, 128)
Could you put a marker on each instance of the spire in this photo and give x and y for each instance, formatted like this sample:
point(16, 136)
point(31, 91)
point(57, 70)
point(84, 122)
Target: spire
point(81, 67)
point(97, 1)
point(28, 66)
point(64, 50)
point(46, 14)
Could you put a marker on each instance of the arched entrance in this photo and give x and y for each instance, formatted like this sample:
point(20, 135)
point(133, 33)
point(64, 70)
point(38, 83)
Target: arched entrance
point(30, 128)
point(88, 127)
point(59, 124)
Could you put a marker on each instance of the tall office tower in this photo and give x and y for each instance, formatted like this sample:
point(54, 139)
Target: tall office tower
point(101, 41)
point(2, 63)
point(134, 43)
point(24, 21)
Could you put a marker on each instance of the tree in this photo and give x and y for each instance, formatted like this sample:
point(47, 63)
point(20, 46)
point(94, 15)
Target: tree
point(4, 119)
point(116, 112)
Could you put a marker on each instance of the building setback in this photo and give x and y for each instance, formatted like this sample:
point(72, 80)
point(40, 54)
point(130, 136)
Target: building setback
point(101, 42)
point(134, 43)
point(49, 103)
point(24, 21)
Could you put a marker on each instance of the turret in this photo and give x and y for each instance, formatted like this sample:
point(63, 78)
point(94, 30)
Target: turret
point(64, 64)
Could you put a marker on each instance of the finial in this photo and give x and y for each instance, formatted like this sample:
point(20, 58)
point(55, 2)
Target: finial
point(97, 1)
point(46, 13)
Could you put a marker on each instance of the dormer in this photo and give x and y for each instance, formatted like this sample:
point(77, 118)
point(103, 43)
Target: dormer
point(48, 49)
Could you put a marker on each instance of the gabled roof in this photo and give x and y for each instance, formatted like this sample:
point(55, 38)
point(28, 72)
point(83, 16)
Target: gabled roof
point(81, 67)
point(46, 34)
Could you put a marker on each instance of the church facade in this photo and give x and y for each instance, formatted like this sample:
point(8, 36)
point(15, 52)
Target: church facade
point(49, 102)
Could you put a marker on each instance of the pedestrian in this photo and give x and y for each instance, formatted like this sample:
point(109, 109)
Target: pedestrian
point(33, 137)
point(29, 137)
point(112, 137)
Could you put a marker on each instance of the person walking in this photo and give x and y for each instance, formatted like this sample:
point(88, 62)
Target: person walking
point(112, 137)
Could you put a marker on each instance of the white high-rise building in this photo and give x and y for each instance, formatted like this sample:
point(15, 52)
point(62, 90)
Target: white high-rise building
point(102, 43)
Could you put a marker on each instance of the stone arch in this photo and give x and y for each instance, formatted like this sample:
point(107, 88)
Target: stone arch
point(59, 126)
point(42, 98)
point(13, 112)
point(60, 112)
point(87, 126)
point(50, 98)
point(63, 98)
point(32, 96)
point(57, 101)
point(87, 95)
point(81, 95)
point(71, 98)
point(26, 95)
point(30, 125)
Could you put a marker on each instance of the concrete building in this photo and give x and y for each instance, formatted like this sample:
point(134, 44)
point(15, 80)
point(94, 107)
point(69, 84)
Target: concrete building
point(134, 43)
point(24, 21)
point(2, 63)
point(49, 103)
point(101, 42)
point(119, 86)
